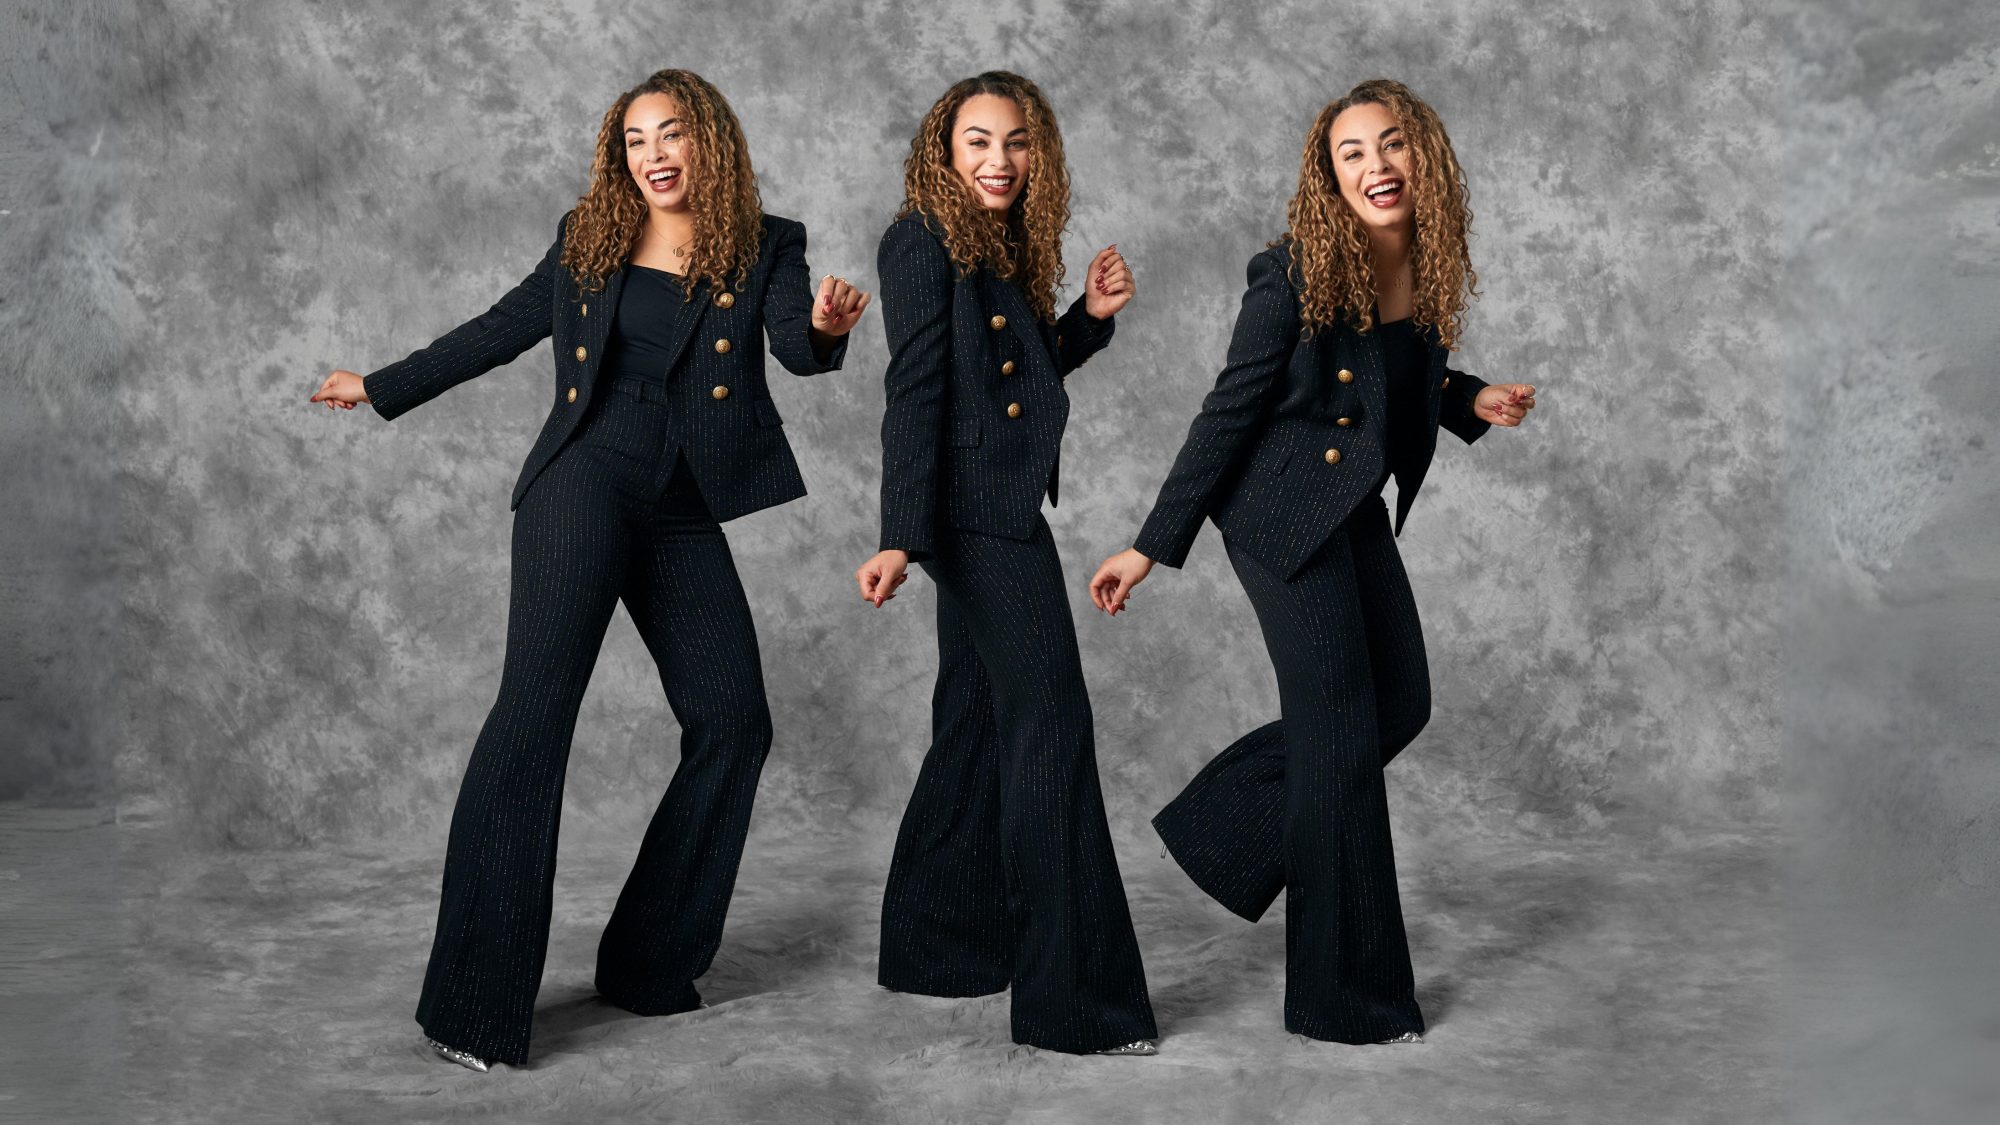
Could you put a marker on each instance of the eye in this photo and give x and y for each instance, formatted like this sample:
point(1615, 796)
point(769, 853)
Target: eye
point(1017, 144)
point(1351, 154)
point(674, 137)
point(1394, 145)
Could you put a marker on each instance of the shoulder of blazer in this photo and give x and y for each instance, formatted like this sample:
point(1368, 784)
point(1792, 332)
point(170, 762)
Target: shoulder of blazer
point(912, 241)
point(1280, 258)
point(777, 228)
point(914, 227)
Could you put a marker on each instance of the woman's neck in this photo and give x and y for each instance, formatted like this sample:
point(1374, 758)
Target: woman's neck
point(668, 228)
point(1389, 252)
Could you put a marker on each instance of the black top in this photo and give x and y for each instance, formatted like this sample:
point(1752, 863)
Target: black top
point(651, 324)
point(1406, 358)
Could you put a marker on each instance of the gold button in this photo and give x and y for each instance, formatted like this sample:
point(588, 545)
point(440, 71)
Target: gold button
point(1013, 410)
point(1447, 382)
point(581, 353)
point(1343, 421)
point(585, 312)
point(1345, 375)
point(1333, 456)
point(719, 393)
point(572, 394)
point(1059, 341)
point(998, 322)
point(724, 299)
point(1007, 368)
point(722, 346)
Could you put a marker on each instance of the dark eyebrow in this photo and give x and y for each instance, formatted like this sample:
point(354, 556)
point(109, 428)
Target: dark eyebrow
point(1383, 134)
point(663, 124)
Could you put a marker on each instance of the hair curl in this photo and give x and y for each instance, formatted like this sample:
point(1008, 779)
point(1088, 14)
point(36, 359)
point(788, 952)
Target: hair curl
point(1025, 246)
point(1331, 263)
point(721, 190)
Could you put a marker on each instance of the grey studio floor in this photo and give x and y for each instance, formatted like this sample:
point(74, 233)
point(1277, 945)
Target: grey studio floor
point(1592, 978)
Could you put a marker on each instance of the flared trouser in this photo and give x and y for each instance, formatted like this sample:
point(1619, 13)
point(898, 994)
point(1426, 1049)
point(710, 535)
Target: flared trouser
point(615, 517)
point(1299, 805)
point(1004, 874)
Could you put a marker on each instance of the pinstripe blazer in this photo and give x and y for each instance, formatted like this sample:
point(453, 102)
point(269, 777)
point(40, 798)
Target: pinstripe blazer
point(1295, 433)
point(972, 429)
point(719, 405)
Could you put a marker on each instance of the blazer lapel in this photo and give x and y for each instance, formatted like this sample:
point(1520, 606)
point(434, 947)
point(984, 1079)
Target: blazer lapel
point(597, 329)
point(687, 317)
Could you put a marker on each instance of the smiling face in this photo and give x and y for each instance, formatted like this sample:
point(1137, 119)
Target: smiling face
point(989, 149)
point(656, 139)
point(1371, 162)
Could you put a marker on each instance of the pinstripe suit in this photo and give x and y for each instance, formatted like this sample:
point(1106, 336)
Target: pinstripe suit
point(621, 499)
point(1004, 874)
point(1287, 456)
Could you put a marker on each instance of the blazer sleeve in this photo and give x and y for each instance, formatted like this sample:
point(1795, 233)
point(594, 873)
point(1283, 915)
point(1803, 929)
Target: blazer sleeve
point(788, 300)
point(917, 284)
point(1079, 336)
point(517, 322)
point(1455, 407)
point(1267, 332)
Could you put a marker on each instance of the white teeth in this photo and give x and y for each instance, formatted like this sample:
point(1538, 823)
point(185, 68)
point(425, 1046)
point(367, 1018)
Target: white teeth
point(1381, 189)
point(661, 177)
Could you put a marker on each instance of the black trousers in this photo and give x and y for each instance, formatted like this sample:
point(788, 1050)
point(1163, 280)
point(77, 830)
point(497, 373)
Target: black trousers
point(615, 517)
point(1299, 805)
point(1004, 874)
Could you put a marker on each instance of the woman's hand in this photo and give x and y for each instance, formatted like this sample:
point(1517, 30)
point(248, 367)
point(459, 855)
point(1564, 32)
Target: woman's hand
point(1504, 404)
point(1114, 580)
point(340, 391)
point(838, 307)
point(1111, 286)
point(880, 576)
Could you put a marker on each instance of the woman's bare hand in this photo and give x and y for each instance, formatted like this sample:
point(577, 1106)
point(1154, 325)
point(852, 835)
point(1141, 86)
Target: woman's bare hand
point(341, 391)
point(880, 576)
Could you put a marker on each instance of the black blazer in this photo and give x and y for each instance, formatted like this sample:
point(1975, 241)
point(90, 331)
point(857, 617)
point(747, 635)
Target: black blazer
point(1294, 434)
point(974, 420)
point(719, 403)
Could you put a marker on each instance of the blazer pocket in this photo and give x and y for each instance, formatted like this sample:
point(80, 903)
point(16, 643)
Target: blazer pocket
point(767, 413)
point(965, 431)
point(1272, 459)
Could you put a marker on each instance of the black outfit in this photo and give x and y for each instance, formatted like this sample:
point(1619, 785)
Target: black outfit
point(1287, 457)
point(1004, 873)
point(630, 480)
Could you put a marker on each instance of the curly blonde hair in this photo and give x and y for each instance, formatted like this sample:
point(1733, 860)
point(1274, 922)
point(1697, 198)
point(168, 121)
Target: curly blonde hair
point(1331, 264)
point(604, 229)
point(1026, 246)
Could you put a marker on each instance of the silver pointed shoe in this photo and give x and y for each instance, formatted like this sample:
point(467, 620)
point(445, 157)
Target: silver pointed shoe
point(1135, 1047)
point(1406, 1037)
point(466, 1059)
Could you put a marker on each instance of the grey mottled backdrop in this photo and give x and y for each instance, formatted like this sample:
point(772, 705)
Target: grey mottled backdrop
point(316, 603)
point(1747, 253)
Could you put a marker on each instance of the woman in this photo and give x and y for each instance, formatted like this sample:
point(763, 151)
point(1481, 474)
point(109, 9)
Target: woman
point(1335, 381)
point(1003, 872)
point(657, 290)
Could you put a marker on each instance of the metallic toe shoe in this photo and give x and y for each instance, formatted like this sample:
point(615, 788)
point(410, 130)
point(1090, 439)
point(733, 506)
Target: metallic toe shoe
point(1406, 1037)
point(1135, 1047)
point(466, 1059)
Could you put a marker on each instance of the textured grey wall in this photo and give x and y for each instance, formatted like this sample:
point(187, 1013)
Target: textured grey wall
point(1892, 639)
point(315, 604)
